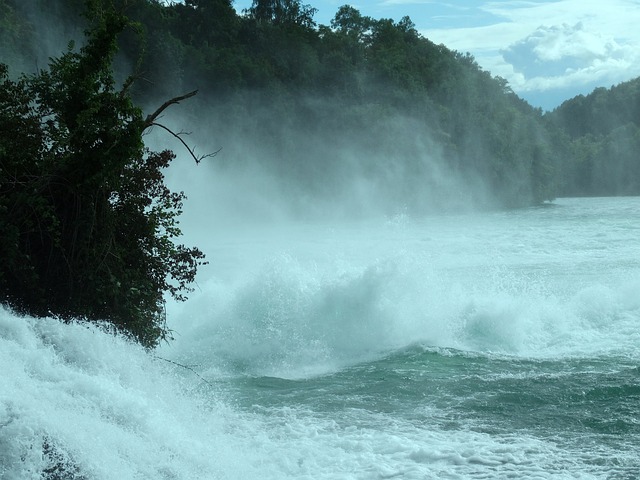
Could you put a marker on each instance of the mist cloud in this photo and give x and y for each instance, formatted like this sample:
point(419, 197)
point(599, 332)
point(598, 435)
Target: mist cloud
point(270, 170)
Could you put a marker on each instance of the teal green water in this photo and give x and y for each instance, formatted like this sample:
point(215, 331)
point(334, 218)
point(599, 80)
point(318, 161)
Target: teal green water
point(484, 346)
point(574, 397)
point(502, 345)
point(587, 409)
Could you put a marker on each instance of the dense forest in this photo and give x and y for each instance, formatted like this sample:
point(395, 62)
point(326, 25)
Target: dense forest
point(357, 117)
point(318, 106)
point(321, 107)
point(602, 135)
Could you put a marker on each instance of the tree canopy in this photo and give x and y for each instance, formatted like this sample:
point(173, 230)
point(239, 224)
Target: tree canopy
point(87, 225)
point(601, 132)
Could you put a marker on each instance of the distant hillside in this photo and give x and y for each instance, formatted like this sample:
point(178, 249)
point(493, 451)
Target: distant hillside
point(601, 112)
point(363, 113)
point(602, 133)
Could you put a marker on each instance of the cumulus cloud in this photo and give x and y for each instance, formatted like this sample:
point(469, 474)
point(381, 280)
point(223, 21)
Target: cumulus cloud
point(563, 50)
point(569, 58)
point(543, 45)
point(565, 41)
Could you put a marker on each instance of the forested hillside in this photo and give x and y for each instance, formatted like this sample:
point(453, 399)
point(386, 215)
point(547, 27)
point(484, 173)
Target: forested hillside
point(359, 117)
point(602, 137)
point(362, 114)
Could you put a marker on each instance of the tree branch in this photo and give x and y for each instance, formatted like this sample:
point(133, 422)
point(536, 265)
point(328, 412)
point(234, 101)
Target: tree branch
point(178, 135)
point(152, 117)
point(125, 87)
point(186, 367)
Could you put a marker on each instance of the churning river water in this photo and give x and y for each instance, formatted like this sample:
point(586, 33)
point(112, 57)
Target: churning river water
point(493, 345)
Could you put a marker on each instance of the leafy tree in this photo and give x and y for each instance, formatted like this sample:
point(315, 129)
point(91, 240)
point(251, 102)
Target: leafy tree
point(16, 35)
point(349, 21)
point(87, 226)
point(601, 131)
point(303, 96)
point(283, 12)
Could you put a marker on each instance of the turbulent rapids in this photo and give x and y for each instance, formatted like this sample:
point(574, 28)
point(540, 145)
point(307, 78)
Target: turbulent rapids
point(496, 345)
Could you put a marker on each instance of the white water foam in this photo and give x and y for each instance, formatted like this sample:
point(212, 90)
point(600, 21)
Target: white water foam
point(306, 301)
point(83, 404)
point(293, 319)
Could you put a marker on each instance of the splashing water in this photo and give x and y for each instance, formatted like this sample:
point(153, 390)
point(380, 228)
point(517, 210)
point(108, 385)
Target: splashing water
point(498, 345)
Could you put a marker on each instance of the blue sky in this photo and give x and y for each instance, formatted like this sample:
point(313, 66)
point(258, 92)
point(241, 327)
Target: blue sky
point(548, 50)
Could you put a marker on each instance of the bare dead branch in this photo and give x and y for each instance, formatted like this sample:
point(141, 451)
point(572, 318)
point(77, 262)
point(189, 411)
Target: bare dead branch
point(191, 151)
point(152, 117)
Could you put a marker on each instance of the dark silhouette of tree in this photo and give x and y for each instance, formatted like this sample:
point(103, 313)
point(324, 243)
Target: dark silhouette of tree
point(283, 12)
point(87, 225)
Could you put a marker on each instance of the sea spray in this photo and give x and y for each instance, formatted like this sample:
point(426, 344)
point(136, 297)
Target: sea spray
point(84, 404)
point(292, 316)
point(491, 346)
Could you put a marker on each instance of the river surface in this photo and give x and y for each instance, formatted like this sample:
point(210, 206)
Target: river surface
point(493, 345)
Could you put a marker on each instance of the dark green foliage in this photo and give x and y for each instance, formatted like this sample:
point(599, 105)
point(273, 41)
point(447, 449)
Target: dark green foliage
point(600, 112)
point(16, 35)
point(602, 130)
point(304, 94)
point(306, 97)
point(283, 12)
point(86, 222)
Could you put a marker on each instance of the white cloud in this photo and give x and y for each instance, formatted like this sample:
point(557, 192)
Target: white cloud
point(565, 41)
point(540, 45)
point(475, 39)
point(559, 49)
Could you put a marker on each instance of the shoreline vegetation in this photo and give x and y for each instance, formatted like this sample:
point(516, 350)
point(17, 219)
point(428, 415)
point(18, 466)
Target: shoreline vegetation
point(87, 223)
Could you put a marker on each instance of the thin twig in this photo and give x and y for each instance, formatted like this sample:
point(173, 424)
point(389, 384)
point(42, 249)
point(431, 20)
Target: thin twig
point(178, 135)
point(186, 367)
